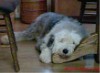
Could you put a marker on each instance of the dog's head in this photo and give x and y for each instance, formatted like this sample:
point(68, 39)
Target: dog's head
point(64, 42)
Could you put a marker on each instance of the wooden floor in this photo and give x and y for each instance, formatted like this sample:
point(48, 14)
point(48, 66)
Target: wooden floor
point(29, 57)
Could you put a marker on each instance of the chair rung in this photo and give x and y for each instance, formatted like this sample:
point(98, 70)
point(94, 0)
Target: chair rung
point(93, 22)
point(87, 14)
point(4, 45)
point(85, 20)
point(2, 25)
point(1, 18)
point(91, 3)
point(89, 20)
point(3, 31)
point(91, 9)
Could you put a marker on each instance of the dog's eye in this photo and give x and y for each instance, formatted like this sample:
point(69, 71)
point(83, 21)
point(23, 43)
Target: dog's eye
point(43, 42)
point(73, 42)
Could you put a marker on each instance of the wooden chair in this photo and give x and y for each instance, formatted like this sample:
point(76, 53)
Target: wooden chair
point(88, 12)
point(6, 7)
point(95, 15)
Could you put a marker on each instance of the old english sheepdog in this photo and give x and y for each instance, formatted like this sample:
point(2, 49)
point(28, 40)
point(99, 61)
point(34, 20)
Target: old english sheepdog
point(55, 33)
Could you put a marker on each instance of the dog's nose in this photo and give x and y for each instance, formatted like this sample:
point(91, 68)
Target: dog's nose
point(65, 51)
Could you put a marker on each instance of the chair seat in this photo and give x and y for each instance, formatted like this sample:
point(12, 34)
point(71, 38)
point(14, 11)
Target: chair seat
point(4, 10)
point(8, 6)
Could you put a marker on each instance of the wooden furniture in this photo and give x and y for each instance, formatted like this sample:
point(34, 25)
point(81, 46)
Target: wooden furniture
point(5, 10)
point(66, 7)
point(30, 9)
point(90, 15)
point(88, 11)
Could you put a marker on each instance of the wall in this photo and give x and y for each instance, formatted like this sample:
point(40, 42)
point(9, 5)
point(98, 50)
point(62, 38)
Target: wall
point(67, 7)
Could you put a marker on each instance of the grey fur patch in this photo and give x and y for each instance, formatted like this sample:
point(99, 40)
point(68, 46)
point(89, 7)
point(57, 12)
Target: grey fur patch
point(47, 21)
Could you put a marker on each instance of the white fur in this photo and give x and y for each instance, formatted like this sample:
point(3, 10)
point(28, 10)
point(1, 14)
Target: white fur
point(4, 39)
point(63, 39)
point(76, 37)
point(45, 55)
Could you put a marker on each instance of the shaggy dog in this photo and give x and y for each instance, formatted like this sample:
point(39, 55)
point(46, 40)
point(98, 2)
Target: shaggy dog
point(55, 33)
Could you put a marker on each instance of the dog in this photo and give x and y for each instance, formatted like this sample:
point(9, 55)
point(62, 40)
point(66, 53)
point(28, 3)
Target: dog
point(55, 33)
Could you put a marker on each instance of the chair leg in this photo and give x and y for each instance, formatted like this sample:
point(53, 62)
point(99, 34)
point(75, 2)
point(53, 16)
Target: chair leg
point(97, 31)
point(13, 46)
point(82, 10)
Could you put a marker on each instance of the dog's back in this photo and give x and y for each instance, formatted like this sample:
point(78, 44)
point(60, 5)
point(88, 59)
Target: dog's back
point(44, 24)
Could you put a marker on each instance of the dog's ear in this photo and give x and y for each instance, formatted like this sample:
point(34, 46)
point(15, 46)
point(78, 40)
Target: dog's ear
point(50, 41)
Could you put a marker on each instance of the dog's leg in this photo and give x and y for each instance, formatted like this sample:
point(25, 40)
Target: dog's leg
point(45, 55)
point(89, 61)
point(18, 36)
point(46, 52)
point(28, 34)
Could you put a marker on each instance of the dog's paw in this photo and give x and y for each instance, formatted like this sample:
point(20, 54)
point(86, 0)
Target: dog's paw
point(4, 39)
point(45, 56)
